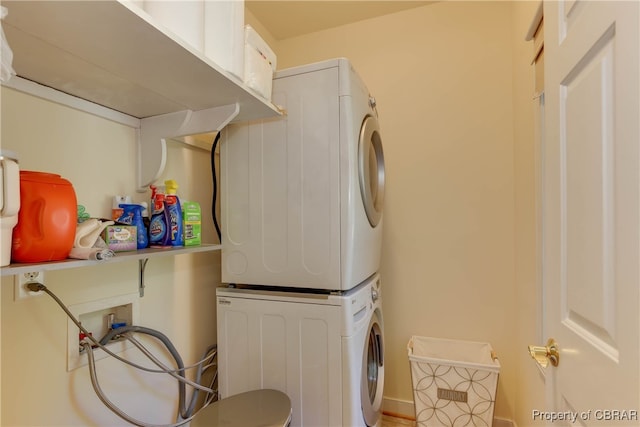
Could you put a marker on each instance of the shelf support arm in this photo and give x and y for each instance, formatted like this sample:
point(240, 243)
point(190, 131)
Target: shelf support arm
point(154, 132)
point(142, 265)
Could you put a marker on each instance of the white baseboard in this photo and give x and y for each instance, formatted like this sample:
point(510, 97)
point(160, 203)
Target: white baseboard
point(503, 422)
point(406, 409)
point(397, 407)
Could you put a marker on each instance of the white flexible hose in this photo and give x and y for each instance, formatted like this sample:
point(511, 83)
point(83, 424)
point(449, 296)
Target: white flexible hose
point(37, 287)
point(103, 398)
point(88, 343)
point(165, 368)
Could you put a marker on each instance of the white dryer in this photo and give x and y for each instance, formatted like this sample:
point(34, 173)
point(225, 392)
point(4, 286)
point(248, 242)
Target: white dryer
point(325, 351)
point(302, 195)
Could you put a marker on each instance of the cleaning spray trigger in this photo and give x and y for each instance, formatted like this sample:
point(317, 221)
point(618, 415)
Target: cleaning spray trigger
point(132, 215)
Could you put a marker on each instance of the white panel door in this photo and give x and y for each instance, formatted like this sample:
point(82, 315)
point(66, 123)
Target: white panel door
point(591, 216)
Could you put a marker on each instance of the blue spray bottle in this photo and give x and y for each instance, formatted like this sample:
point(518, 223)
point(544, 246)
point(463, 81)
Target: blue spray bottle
point(132, 215)
point(172, 206)
point(160, 222)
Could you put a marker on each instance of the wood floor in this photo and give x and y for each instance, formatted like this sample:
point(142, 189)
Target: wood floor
point(389, 421)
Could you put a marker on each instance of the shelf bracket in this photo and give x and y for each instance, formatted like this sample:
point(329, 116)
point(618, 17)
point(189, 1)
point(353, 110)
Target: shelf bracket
point(182, 125)
point(142, 265)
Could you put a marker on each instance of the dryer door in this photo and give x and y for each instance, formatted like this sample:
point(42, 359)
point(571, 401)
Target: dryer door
point(373, 372)
point(371, 169)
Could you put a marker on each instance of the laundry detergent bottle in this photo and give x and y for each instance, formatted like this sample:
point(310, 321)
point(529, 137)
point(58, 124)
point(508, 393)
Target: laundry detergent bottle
point(47, 218)
point(160, 222)
point(132, 215)
point(172, 206)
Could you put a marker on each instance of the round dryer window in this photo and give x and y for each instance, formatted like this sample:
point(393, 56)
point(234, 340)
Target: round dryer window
point(371, 169)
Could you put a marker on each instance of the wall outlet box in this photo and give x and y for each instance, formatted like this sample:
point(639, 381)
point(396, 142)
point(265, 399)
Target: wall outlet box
point(20, 282)
point(95, 317)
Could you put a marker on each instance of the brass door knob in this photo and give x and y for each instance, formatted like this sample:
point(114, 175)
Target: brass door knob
point(545, 355)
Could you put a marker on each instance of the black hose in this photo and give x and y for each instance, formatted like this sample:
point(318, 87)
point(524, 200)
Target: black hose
point(215, 186)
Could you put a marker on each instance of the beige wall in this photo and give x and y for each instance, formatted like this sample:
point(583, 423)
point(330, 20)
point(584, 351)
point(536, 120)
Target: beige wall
point(530, 383)
point(250, 19)
point(442, 76)
point(99, 158)
point(453, 85)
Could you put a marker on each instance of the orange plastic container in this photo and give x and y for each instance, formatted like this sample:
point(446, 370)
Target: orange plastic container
point(47, 219)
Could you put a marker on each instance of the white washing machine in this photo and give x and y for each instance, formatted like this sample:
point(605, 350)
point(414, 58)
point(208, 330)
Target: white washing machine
point(325, 351)
point(302, 195)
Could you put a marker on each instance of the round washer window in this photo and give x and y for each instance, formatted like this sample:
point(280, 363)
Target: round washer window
point(372, 373)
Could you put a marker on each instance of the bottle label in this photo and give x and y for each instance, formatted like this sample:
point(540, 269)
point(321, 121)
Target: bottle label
point(157, 230)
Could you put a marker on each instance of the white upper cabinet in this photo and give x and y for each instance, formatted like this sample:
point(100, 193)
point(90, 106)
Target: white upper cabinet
point(114, 54)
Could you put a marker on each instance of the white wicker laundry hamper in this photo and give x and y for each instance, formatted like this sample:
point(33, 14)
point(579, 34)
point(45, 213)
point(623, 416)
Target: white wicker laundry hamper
point(454, 382)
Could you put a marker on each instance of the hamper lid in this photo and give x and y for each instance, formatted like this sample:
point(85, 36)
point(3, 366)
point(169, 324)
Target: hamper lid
point(447, 351)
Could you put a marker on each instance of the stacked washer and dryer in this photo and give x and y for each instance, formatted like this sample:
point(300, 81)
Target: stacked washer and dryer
point(302, 200)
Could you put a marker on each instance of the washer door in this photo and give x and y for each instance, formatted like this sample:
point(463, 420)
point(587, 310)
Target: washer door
point(371, 169)
point(373, 372)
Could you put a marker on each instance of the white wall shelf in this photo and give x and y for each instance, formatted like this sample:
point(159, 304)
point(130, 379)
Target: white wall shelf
point(141, 254)
point(114, 54)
